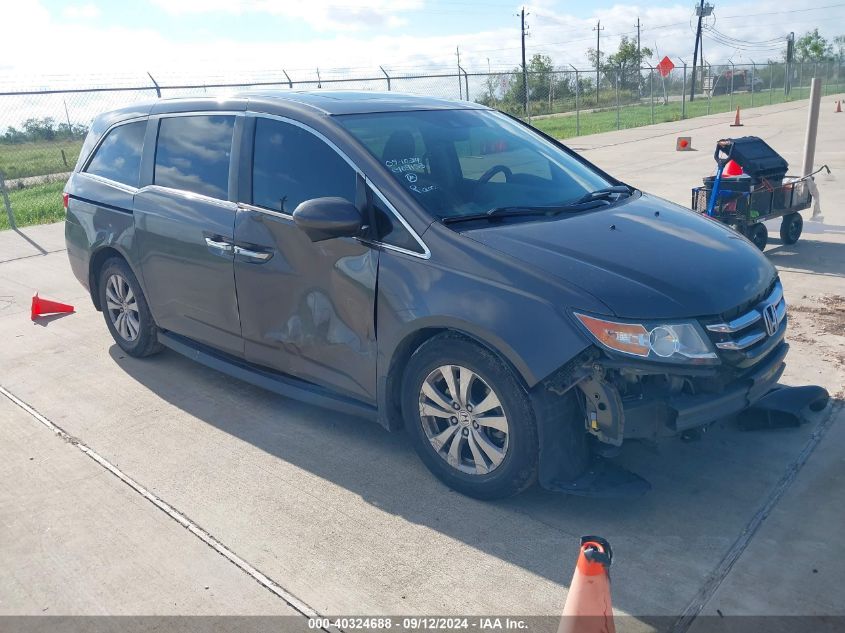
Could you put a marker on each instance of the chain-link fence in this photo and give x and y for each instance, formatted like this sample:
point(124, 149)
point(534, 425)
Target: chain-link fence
point(41, 132)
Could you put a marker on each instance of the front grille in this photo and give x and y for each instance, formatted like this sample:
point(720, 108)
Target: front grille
point(742, 337)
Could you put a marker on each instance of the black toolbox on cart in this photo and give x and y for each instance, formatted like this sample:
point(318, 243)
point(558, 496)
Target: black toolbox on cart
point(757, 159)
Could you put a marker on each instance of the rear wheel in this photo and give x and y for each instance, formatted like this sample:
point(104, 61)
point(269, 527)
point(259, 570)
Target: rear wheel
point(759, 234)
point(126, 311)
point(791, 227)
point(469, 418)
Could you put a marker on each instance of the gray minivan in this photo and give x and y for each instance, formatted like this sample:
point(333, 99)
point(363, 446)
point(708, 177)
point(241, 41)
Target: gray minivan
point(431, 264)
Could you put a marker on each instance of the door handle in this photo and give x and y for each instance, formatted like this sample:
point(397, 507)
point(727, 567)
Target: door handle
point(218, 245)
point(258, 256)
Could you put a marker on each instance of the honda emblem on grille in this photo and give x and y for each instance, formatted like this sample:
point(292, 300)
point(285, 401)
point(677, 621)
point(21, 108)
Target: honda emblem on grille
point(770, 317)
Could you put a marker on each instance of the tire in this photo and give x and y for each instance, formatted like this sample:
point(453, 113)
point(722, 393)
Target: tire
point(476, 459)
point(790, 228)
point(758, 234)
point(131, 323)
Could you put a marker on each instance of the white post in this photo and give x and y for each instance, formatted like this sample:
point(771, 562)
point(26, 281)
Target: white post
point(812, 126)
point(810, 142)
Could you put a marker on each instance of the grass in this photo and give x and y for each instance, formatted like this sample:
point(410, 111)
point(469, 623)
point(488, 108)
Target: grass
point(40, 204)
point(20, 160)
point(630, 116)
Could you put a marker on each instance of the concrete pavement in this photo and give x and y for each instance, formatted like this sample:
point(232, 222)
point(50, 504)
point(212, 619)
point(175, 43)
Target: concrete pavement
point(77, 541)
point(344, 516)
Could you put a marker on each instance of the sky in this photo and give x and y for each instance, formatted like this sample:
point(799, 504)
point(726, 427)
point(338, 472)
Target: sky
point(102, 42)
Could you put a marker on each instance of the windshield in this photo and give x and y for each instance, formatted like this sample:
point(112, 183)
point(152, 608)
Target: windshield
point(465, 162)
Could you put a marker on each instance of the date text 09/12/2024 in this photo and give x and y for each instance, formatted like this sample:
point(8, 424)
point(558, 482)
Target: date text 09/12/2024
point(419, 623)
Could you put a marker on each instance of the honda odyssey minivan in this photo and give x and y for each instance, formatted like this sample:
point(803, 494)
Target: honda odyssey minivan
point(429, 264)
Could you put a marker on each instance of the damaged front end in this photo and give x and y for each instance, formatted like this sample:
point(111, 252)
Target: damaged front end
point(627, 394)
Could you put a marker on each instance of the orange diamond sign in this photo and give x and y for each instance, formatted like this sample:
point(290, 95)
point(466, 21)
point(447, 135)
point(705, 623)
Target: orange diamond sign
point(665, 66)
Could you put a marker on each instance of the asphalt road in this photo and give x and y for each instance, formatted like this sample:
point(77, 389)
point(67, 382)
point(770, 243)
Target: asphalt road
point(339, 517)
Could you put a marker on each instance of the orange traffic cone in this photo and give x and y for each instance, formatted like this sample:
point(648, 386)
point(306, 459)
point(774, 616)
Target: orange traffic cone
point(732, 169)
point(736, 122)
point(44, 306)
point(838, 106)
point(588, 608)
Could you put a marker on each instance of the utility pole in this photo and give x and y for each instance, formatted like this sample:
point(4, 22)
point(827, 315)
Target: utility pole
point(639, 55)
point(790, 57)
point(524, 67)
point(702, 11)
point(460, 89)
point(598, 28)
point(639, 62)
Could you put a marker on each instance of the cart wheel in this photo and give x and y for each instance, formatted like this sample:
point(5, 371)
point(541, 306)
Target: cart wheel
point(758, 234)
point(790, 228)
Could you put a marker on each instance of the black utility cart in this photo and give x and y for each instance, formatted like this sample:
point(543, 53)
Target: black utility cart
point(761, 192)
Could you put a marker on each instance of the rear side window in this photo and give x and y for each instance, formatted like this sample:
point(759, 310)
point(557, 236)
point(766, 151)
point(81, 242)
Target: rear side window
point(193, 154)
point(291, 165)
point(118, 157)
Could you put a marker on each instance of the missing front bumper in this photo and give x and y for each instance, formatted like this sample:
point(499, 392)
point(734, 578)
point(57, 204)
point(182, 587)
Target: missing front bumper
point(613, 416)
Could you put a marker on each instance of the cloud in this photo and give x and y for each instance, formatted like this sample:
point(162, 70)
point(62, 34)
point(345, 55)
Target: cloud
point(322, 15)
point(87, 11)
point(131, 52)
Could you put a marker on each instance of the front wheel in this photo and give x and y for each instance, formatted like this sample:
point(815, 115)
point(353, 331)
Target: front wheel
point(758, 234)
point(469, 418)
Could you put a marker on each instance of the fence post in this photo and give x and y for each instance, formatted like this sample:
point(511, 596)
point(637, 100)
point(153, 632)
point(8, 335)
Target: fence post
point(319, 80)
point(684, 95)
point(155, 83)
point(577, 111)
point(753, 73)
point(771, 81)
point(617, 98)
point(466, 84)
point(731, 98)
point(7, 202)
point(386, 75)
point(651, 90)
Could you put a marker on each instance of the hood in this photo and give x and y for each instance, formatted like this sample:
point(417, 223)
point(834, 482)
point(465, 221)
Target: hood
point(645, 258)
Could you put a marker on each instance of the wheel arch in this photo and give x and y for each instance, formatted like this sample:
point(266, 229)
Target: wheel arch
point(95, 265)
point(390, 412)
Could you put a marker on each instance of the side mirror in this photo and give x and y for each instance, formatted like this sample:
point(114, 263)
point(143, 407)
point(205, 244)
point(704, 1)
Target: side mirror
point(326, 218)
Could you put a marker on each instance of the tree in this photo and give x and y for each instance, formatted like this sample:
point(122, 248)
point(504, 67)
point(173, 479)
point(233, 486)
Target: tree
point(812, 47)
point(626, 61)
point(542, 78)
point(839, 46)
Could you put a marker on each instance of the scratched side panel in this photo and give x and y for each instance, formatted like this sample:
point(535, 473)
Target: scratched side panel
point(308, 310)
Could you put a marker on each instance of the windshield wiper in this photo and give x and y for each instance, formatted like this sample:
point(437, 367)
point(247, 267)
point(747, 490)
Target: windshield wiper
point(523, 210)
point(604, 193)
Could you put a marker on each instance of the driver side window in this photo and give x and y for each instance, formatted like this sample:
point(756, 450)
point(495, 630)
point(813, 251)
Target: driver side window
point(291, 165)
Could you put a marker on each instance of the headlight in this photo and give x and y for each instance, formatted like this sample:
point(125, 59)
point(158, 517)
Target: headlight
point(672, 342)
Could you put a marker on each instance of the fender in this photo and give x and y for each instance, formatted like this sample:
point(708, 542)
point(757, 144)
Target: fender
point(512, 318)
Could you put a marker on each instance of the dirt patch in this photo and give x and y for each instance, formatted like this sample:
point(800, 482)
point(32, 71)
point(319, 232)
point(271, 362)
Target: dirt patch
point(820, 322)
point(828, 312)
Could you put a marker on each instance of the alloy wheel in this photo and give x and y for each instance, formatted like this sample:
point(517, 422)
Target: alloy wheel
point(463, 419)
point(122, 307)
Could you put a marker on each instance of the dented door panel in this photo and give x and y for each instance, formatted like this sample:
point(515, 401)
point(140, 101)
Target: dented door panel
point(307, 309)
